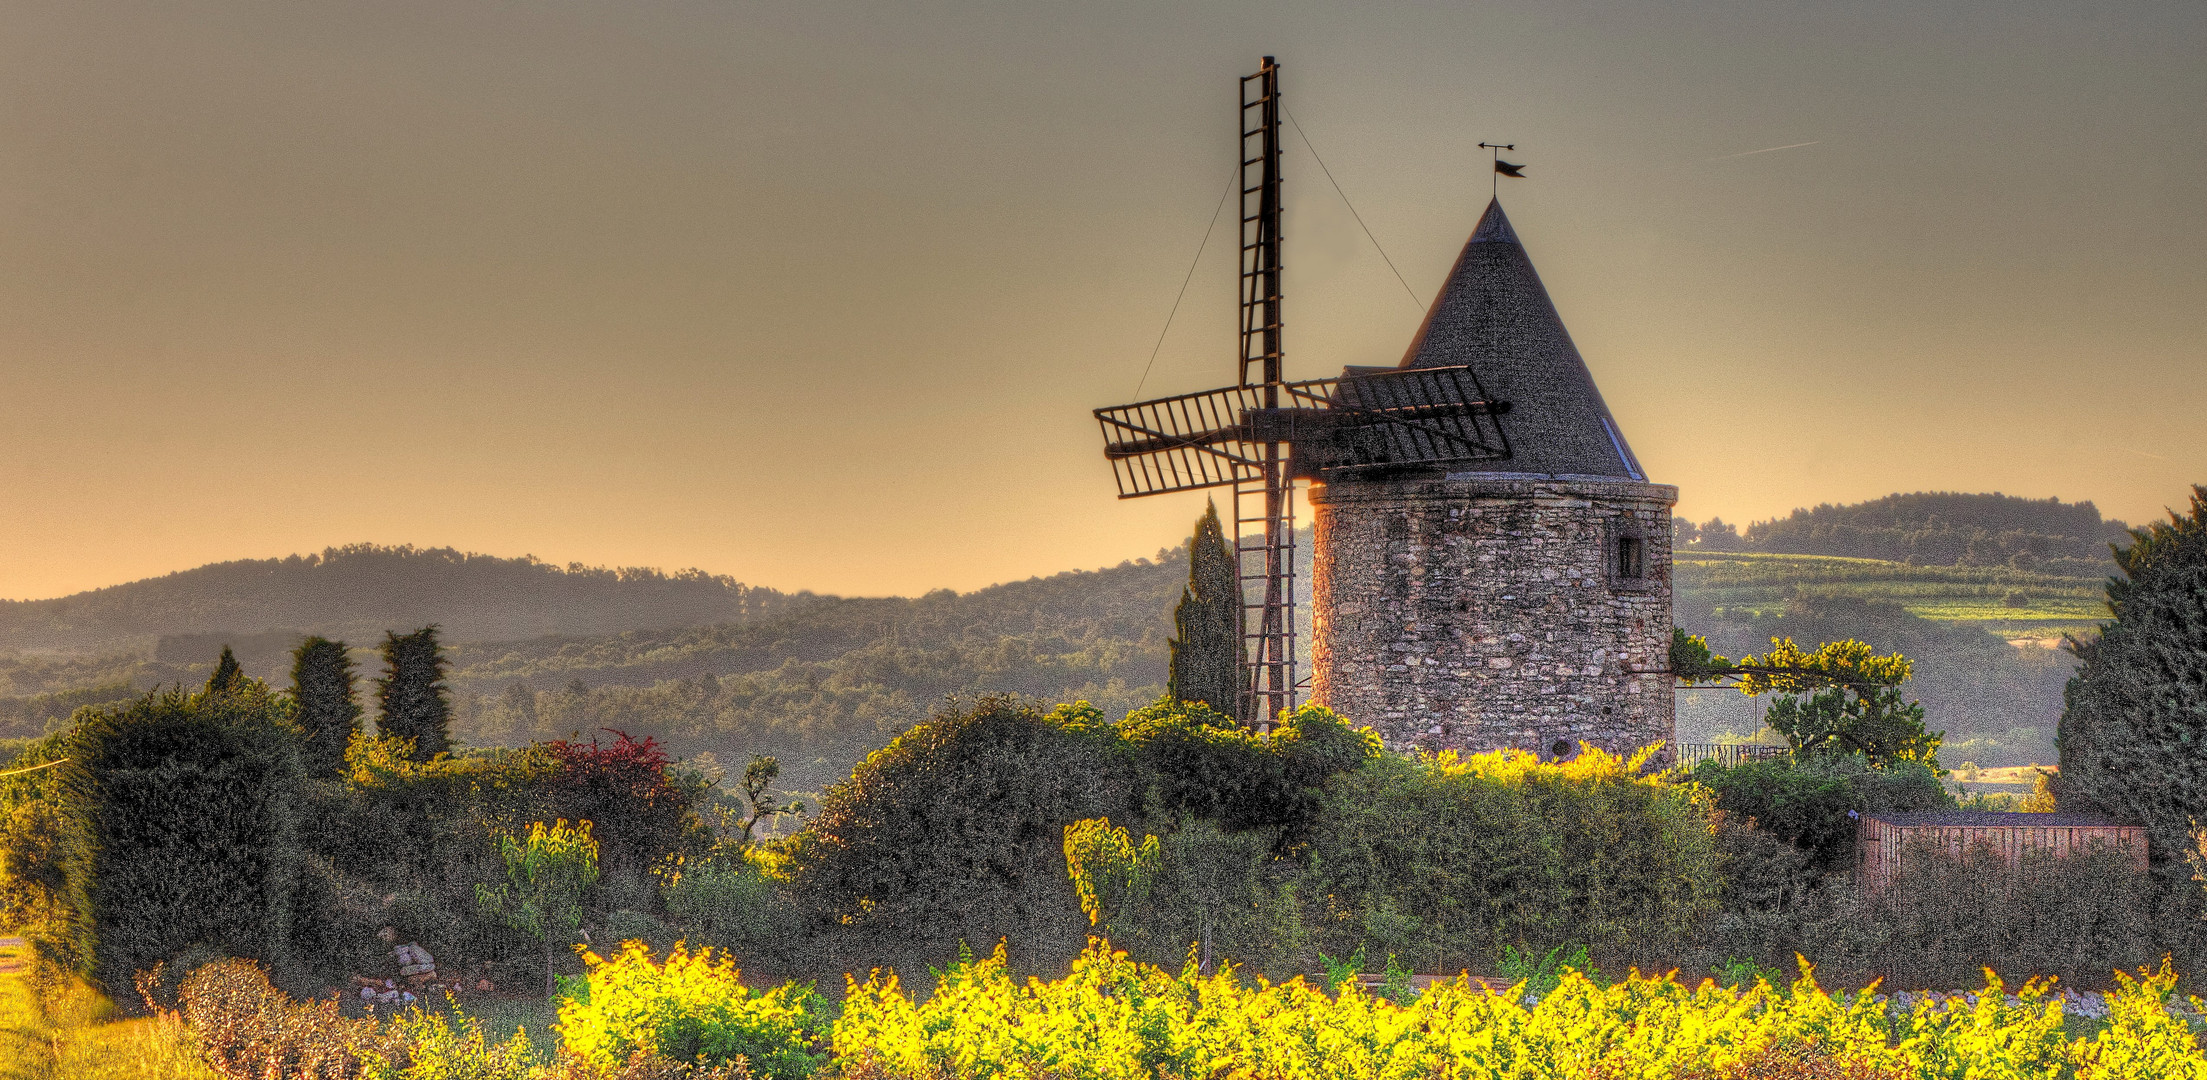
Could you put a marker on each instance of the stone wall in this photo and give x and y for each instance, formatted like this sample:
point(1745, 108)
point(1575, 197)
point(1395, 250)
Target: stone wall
point(1486, 610)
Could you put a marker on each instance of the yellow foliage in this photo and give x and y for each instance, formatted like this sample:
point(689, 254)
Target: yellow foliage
point(1797, 671)
point(691, 1009)
point(1115, 1020)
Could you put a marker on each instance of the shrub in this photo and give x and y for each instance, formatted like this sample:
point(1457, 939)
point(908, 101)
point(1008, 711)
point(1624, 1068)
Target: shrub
point(642, 1065)
point(2134, 708)
point(644, 819)
point(2078, 916)
point(1790, 1059)
point(1810, 801)
point(628, 924)
point(36, 843)
point(425, 833)
point(733, 902)
point(1200, 893)
point(189, 806)
point(1446, 860)
point(247, 1029)
point(693, 1010)
point(954, 832)
point(1111, 1019)
point(1761, 872)
point(1834, 925)
point(1199, 763)
point(437, 1047)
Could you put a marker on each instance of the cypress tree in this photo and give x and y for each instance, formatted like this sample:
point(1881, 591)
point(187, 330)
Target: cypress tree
point(1207, 648)
point(227, 674)
point(2133, 734)
point(411, 692)
point(322, 685)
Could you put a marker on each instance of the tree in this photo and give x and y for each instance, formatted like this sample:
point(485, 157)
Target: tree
point(547, 873)
point(327, 708)
point(411, 692)
point(228, 675)
point(1716, 534)
point(759, 802)
point(1843, 697)
point(1206, 653)
point(2133, 733)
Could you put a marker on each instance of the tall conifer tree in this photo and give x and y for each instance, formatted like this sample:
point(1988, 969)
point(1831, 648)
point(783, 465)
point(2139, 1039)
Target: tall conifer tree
point(322, 685)
point(1207, 648)
point(2133, 734)
point(227, 674)
point(411, 692)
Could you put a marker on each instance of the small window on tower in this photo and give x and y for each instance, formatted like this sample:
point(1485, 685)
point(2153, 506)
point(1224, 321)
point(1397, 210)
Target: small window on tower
point(1631, 563)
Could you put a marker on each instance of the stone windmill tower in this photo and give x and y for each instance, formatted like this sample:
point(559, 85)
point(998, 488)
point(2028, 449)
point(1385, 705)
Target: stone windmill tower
point(1515, 601)
point(1491, 567)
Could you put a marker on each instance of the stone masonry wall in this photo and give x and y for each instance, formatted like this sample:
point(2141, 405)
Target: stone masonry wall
point(1485, 611)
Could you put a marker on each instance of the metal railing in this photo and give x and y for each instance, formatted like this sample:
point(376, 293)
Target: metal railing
point(1727, 754)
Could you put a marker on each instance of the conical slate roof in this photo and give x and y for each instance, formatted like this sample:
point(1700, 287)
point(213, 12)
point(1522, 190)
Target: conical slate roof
point(1494, 315)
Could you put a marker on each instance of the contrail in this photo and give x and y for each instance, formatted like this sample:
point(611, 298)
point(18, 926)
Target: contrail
point(1767, 149)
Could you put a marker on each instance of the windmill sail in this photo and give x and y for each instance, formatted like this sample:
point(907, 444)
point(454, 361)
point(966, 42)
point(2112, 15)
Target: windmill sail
point(1262, 434)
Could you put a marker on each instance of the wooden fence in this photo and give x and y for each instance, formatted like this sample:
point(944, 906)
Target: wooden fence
point(1884, 835)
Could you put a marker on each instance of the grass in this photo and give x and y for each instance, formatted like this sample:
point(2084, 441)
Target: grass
point(75, 1034)
point(500, 1016)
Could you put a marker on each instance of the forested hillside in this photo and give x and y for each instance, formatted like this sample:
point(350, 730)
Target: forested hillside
point(360, 590)
point(1931, 528)
point(833, 679)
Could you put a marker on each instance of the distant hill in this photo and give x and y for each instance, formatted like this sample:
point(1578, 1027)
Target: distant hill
point(826, 683)
point(1930, 528)
point(359, 591)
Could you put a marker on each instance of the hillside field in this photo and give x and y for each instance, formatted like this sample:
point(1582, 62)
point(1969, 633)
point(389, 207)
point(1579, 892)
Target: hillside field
point(2014, 604)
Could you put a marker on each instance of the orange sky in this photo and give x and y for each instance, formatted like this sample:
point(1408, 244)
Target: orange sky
point(819, 295)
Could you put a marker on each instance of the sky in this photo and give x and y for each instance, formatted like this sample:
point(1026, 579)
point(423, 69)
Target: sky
point(820, 295)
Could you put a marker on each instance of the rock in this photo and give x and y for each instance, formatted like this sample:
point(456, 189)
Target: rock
point(368, 992)
point(363, 980)
point(421, 979)
point(483, 985)
point(417, 969)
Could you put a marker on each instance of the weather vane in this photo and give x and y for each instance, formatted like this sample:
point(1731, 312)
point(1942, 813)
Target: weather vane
point(1502, 168)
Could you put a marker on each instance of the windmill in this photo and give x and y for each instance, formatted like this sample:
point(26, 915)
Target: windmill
point(1263, 433)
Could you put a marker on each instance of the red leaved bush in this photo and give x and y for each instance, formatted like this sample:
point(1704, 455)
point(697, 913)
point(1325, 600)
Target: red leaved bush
point(640, 815)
